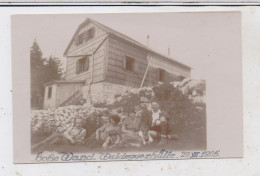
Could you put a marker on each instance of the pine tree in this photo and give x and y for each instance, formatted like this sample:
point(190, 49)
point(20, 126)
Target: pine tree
point(37, 71)
point(53, 70)
point(42, 71)
point(36, 56)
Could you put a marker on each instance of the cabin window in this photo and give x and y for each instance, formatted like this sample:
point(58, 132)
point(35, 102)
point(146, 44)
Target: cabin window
point(161, 75)
point(49, 92)
point(82, 65)
point(85, 36)
point(89, 34)
point(80, 39)
point(129, 63)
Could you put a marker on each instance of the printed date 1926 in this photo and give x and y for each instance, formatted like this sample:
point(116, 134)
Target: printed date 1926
point(204, 154)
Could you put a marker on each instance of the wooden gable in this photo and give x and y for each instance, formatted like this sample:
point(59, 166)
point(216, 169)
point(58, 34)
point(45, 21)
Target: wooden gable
point(85, 34)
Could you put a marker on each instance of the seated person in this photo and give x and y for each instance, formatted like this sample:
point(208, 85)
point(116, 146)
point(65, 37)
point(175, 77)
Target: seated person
point(113, 140)
point(131, 127)
point(146, 121)
point(103, 132)
point(145, 135)
point(100, 136)
point(74, 135)
point(159, 125)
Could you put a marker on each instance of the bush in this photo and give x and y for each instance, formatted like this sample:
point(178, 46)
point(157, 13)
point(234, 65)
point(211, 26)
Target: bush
point(179, 107)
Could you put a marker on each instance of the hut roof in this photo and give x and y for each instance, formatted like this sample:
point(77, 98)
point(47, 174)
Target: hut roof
point(111, 31)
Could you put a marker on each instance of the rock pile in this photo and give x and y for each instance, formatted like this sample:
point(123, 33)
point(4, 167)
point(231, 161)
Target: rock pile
point(94, 116)
point(45, 121)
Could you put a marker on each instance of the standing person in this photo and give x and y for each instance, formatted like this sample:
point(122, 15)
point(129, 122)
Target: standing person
point(159, 125)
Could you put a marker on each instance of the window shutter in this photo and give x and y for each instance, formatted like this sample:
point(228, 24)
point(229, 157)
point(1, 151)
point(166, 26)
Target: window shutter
point(77, 67)
point(85, 36)
point(92, 30)
point(81, 38)
point(86, 64)
point(124, 63)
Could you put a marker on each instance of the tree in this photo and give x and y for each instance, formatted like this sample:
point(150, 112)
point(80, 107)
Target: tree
point(42, 71)
point(53, 70)
point(36, 56)
point(37, 71)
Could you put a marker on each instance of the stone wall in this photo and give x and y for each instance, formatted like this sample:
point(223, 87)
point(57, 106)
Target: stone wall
point(103, 91)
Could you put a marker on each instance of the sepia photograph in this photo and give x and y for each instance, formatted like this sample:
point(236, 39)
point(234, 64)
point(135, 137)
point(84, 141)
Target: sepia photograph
point(127, 82)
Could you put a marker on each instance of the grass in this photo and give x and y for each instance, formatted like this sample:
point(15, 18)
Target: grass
point(191, 137)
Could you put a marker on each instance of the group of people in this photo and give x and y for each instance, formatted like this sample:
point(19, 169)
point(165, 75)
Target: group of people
point(139, 128)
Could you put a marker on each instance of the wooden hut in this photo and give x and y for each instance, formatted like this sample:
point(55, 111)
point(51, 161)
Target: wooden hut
point(102, 62)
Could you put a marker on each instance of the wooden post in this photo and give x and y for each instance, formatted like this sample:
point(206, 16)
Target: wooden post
point(92, 68)
point(150, 58)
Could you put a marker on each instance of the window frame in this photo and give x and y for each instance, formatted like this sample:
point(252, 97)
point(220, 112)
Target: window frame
point(85, 36)
point(162, 74)
point(82, 67)
point(49, 92)
point(130, 64)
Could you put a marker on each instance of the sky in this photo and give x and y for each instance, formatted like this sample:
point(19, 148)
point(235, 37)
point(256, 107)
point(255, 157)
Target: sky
point(195, 39)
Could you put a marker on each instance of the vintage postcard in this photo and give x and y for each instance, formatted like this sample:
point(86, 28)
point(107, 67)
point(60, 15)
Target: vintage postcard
point(127, 86)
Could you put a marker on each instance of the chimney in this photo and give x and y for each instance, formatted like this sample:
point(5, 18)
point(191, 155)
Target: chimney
point(147, 41)
point(169, 50)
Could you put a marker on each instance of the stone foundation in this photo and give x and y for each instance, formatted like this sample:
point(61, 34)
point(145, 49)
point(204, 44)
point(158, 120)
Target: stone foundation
point(103, 91)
